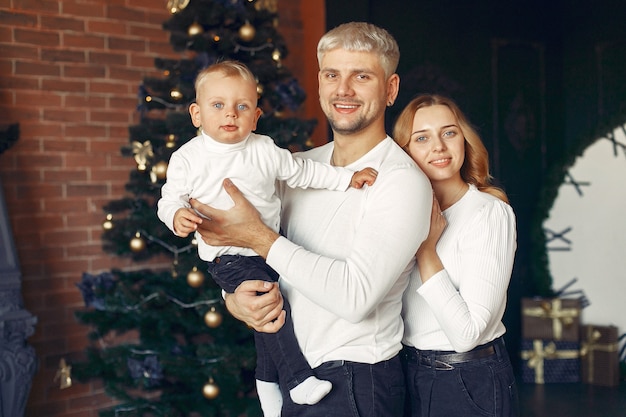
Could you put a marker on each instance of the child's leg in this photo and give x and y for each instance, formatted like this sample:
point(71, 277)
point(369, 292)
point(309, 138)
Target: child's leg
point(304, 387)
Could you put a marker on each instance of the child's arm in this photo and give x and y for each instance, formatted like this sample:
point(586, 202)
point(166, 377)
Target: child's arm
point(362, 177)
point(185, 221)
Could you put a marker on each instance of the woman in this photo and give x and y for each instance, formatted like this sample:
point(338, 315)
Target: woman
point(457, 364)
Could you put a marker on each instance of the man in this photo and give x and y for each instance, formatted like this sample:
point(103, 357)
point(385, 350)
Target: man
point(345, 258)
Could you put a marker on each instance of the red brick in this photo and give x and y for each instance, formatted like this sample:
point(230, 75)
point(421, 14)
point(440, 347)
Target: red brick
point(18, 51)
point(17, 19)
point(84, 41)
point(46, 99)
point(91, 131)
point(35, 37)
point(63, 23)
point(84, 71)
point(74, 116)
point(65, 145)
point(125, 44)
point(107, 27)
point(64, 85)
point(62, 55)
point(83, 101)
point(108, 58)
point(91, 9)
point(29, 68)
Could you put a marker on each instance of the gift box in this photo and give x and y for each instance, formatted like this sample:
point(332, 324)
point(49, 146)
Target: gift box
point(555, 319)
point(548, 361)
point(599, 355)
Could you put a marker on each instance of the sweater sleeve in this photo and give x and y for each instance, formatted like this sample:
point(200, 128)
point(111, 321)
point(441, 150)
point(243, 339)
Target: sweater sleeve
point(487, 250)
point(306, 173)
point(394, 223)
point(175, 191)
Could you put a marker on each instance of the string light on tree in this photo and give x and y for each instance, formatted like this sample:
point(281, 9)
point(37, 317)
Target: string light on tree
point(195, 29)
point(213, 318)
point(210, 390)
point(170, 141)
point(276, 55)
point(176, 94)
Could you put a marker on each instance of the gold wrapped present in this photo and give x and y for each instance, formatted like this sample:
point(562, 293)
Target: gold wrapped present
point(550, 362)
point(551, 319)
point(599, 355)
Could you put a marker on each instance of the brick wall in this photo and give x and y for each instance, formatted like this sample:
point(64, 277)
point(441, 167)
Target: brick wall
point(69, 73)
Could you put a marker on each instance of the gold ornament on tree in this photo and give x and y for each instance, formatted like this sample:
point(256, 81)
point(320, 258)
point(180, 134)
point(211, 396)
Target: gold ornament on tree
point(247, 32)
point(137, 244)
point(195, 29)
point(170, 141)
point(176, 94)
point(210, 390)
point(142, 152)
point(63, 375)
point(159, 171)
point(195, 278)
point(108, 223)
point(213, 318)
point(269, 5)
point(175, 6)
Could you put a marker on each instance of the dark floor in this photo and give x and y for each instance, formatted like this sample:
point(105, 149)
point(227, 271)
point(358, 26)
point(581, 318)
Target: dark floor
point(572, 400)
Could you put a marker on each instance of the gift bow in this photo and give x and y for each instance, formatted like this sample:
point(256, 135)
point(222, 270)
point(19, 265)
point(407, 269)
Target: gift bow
point(537, 356)
point(554, 311)
point(590, 345)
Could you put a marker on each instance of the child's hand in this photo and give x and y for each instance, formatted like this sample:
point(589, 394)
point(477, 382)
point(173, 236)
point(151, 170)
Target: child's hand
point(362, 177)
point(186, 221)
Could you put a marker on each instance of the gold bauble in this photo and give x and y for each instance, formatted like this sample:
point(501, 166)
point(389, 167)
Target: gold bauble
point(108, 223)
point(210, 390)
point(137, 244)
point(195, 278)
point(160, 170)
point(195, 29)
point(212, 318)
point(175, 6)
point(259, 90)
point(247, 32)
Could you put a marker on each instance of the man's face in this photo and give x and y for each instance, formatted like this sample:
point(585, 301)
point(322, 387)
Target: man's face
point(353, 90)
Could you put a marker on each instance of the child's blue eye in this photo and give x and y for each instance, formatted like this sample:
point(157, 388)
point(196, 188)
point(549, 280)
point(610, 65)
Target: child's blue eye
point(242, 107)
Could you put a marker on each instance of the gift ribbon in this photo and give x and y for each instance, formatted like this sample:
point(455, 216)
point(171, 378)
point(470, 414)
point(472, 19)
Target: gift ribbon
point(537, 356)
point(560, 316)
point(590, 345)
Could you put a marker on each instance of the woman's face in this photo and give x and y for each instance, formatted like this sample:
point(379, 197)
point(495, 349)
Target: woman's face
point(437, 144)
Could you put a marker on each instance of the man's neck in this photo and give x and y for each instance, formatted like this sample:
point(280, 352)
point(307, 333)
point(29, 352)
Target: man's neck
point(350, 148)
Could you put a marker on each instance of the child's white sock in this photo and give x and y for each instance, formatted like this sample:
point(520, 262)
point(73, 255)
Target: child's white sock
point(310, 391)
point(270, 398)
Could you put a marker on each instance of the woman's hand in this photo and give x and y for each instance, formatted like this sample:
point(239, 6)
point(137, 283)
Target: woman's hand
point(239, 226)
point(264, 313)
point(428, 261)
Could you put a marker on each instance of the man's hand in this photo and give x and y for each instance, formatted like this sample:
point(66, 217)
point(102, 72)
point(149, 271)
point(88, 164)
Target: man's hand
point(239, 226)
point(264, 313)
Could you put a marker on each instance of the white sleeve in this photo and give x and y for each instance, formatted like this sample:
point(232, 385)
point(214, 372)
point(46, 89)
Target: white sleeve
point(487, 251)
point(306, 173)
point(175, 191)
point(394, 223)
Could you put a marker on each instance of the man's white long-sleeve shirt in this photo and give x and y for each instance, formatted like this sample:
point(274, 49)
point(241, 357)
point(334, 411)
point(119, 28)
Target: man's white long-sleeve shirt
point(346, 257)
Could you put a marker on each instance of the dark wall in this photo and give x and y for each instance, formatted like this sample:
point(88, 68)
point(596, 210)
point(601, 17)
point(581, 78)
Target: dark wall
point(534, 77)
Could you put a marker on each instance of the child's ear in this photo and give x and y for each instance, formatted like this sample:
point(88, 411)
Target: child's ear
point(194, 112)
point(257, 114)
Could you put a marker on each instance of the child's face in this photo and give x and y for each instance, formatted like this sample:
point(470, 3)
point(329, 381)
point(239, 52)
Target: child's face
point(226, 108)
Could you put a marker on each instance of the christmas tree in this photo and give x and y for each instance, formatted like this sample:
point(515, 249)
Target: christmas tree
point(162, 343)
